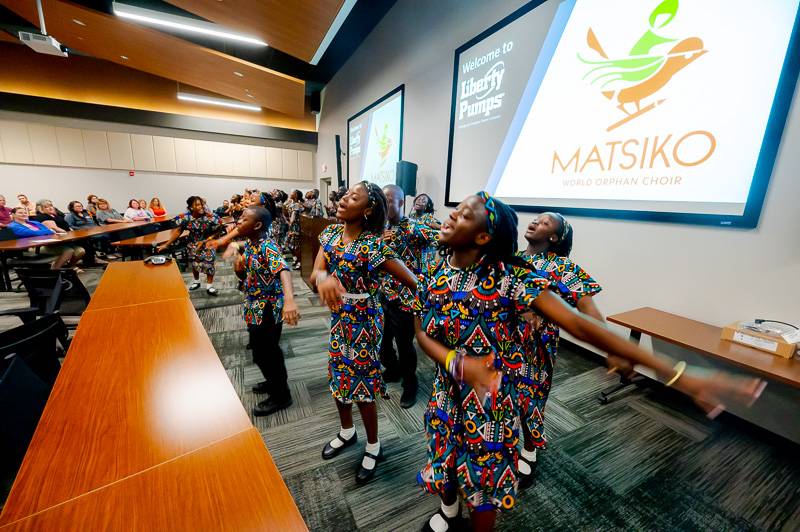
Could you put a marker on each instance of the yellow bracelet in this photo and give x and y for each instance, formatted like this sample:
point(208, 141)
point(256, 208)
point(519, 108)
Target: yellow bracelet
point(679, 368)
point(450, 356)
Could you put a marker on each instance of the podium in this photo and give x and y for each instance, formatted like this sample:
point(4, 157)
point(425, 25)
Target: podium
point(310, 229)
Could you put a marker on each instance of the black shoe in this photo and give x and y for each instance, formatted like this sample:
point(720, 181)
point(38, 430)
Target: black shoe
point(261, 387)
point(391, 375)
point(364, 475)
point(212, 291)
point(329, 451)
point(454, 524)
point(271, 405)
point(409, 397)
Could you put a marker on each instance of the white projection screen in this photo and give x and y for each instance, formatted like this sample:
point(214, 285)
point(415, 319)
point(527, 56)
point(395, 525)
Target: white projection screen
point(375, 140)
point(645, 109)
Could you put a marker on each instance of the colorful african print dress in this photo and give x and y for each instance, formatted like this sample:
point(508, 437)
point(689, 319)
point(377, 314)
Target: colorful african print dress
point(571, 282)
point(472, 444)
point(293, 236)
point(354, 368)
point(277, 230)
point(201, 258)
point(263, 291)
point(410, 241)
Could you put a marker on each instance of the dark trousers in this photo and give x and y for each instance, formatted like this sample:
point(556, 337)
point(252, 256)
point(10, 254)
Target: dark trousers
point(268, 356)
point(398, 329)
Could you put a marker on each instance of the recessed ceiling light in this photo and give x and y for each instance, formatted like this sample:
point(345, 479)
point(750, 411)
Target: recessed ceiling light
point(185, 96)
point(250, 96)
point(124, 57)
point(78, 22)
point(238, 74)
point(158, 18)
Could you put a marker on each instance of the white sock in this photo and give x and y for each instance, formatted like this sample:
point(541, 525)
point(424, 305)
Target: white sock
point(345, 434)
point(194, 281)
point(530, 456)
point(373, 449)
point(437, 523)
point(209, 285)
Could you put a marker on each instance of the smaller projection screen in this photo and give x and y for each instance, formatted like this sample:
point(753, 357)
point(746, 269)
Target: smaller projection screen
point(375, 140)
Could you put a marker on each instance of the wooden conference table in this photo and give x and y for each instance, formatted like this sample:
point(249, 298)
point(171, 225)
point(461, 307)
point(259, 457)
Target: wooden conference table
point(56, 239)
point(143, 429)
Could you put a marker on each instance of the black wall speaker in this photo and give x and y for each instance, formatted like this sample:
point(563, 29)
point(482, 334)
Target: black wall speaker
point(406, 177)
point(315, 102)
point(339, 178)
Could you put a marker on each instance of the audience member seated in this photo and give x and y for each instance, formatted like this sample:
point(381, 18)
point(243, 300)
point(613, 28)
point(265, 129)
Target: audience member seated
point(25, 202)
point(156, 208)
point(223, 209)
point(106, 215)
point(5, 213)
point(135, 213)
point(236, 207)
point(66, 256)
point(145, 208)
point(77, 217)
point(91, 204)
point(47, 213)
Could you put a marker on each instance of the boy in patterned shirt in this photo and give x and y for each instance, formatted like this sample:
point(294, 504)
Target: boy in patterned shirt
point(410, 240)
point(268, 302)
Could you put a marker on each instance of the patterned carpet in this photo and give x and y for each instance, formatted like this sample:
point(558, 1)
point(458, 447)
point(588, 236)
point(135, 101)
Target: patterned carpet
point(647, 461)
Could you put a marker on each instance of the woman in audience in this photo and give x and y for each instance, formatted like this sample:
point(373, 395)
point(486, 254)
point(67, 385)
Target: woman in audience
point(145, 208)
point(66, 256)
point(91, 204)
point(422, 210)
point(549, 238)
point(201, 226)
point(106, 215)
point(77, 217)
point(25, 202)
point(294, 208)
point(312, 204)
point(469, 306)
point(236, 208)
point(135, 213)
point(156, 208)
point(48, 214)
point(347, 274)
point(5, 212)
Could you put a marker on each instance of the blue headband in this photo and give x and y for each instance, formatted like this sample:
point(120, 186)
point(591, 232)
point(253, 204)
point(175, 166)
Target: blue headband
point(491, 211)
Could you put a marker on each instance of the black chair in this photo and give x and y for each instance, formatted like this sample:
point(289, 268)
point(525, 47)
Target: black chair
point(39, 344)
point(45, 293)
point(75, 296)
point(23, 396)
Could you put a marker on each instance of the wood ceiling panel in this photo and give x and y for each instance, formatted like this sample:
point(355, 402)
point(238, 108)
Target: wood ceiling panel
point(296, 27)
point(148, 50)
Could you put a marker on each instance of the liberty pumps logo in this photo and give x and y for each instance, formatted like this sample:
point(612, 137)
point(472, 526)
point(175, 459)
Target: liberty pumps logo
point(635, 82)
point(481, 96)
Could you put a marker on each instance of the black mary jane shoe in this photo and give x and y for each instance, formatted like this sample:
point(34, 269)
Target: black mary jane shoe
point(454, 524)
point(364, 475)
point(329, 451)
point(527, 480)
point(261, 387)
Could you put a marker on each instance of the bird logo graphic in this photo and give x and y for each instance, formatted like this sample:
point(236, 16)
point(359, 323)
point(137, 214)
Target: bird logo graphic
point(631, 81)
point(384, 142)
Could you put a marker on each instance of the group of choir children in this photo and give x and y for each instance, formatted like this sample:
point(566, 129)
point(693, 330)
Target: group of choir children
point(487, 314)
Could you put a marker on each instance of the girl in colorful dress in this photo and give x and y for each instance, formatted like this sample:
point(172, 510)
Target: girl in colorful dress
point(347, 276)
point(279, 226)
point(294, 208)
point(422, 211)
point(201, 225)
point(549, 238)
point(468, 306)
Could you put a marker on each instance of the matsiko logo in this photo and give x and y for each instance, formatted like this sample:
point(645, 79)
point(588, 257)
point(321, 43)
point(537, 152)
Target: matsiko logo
point(485, 90)
point(645, 71)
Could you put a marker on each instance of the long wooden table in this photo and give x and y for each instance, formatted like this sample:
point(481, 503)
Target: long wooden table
point(21, 244)
point(143, 428)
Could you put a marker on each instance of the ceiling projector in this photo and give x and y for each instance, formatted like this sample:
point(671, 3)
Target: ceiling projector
point(43, 44)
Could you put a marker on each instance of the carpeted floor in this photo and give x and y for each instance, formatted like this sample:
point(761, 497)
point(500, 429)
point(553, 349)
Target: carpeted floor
point(647, 461)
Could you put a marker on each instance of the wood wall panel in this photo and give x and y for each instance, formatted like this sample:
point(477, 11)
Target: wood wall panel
point(144, 157)
point(305, 165)
point(289, 160)
point(95, 144)
point(16, 143)
point(70, 146)
point(44, 144)
point(119, 147)
point(258, 161)
point(164, 149)
point(185, 160)
point(274, 163)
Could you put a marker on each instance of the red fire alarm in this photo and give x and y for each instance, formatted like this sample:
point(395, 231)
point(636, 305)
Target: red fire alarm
point(132, 173)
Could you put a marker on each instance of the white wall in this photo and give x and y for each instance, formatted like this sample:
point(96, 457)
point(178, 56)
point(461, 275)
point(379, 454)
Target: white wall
point(710, 274)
